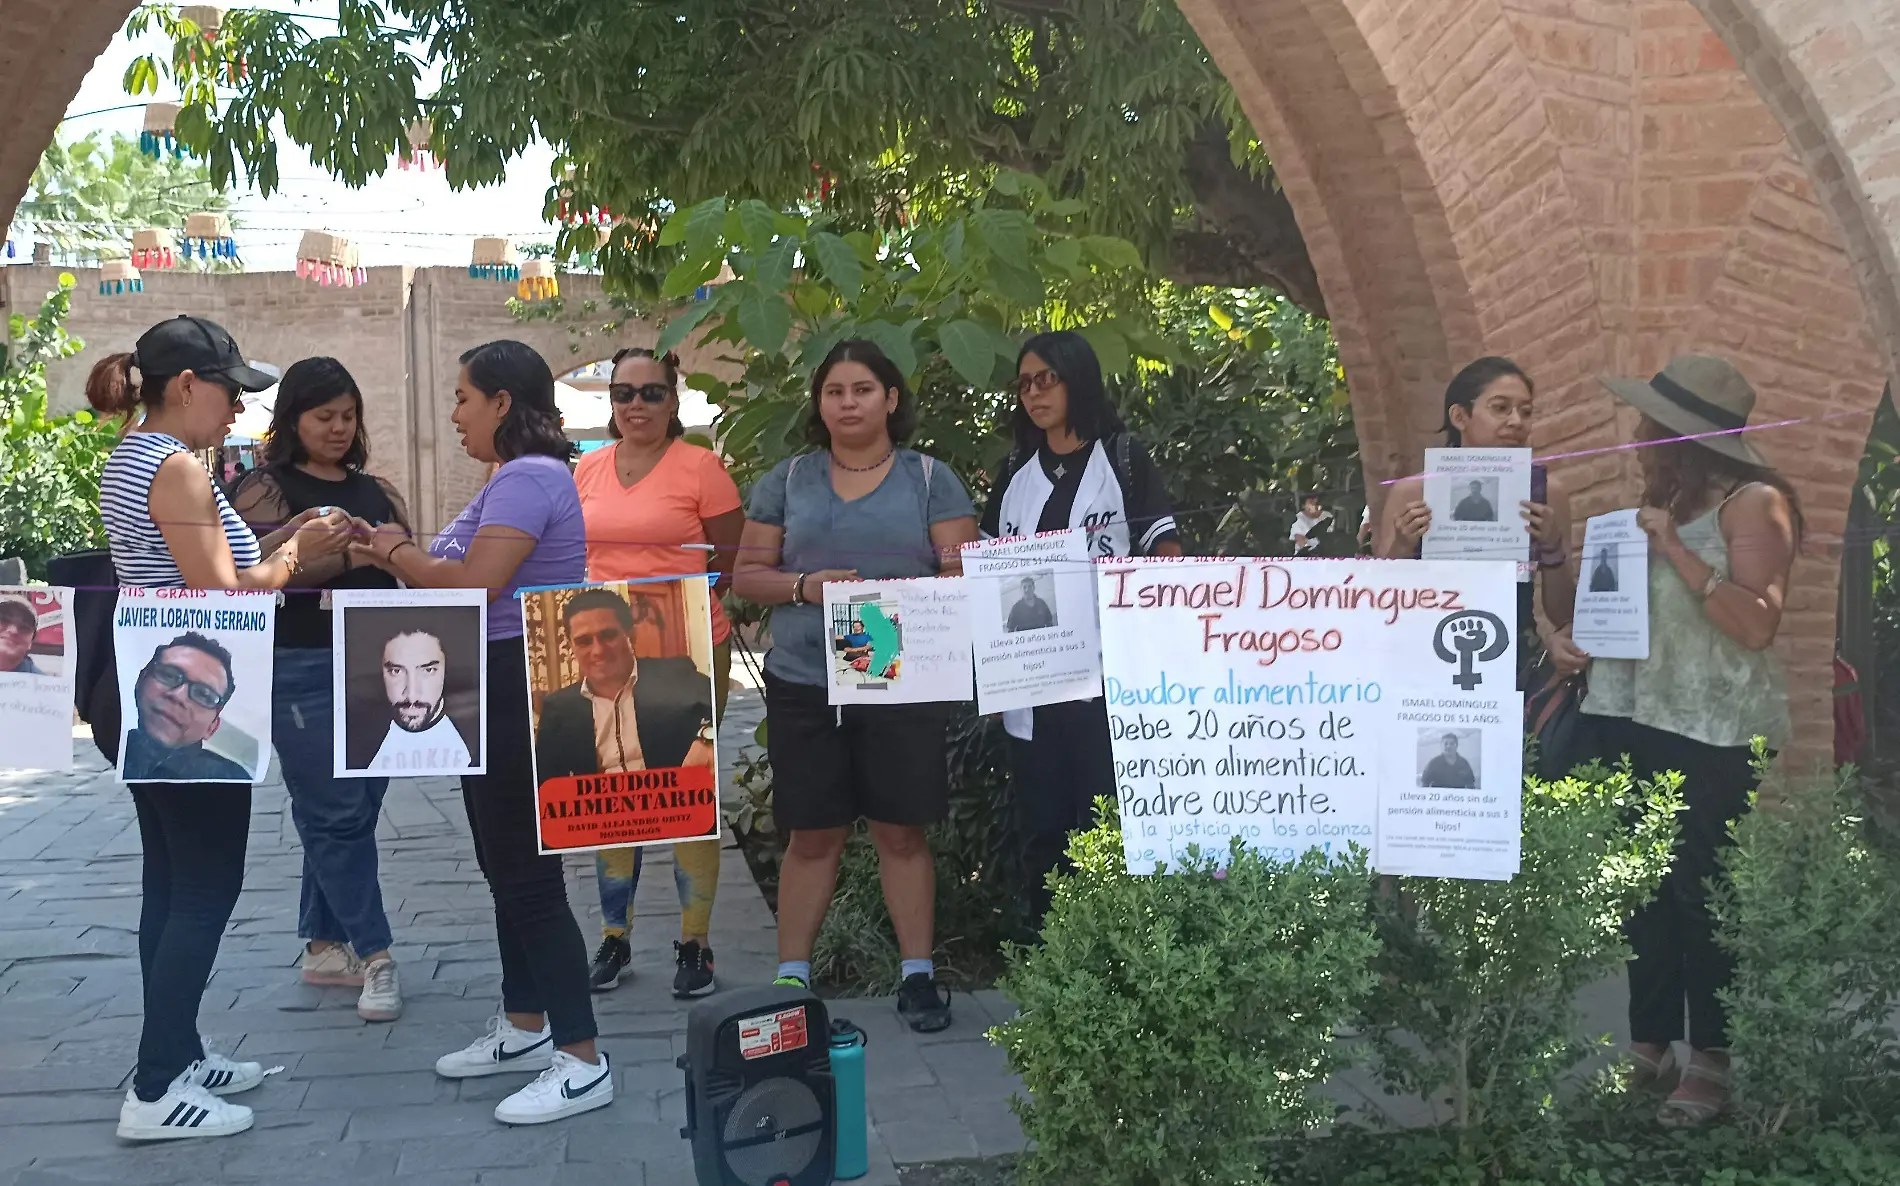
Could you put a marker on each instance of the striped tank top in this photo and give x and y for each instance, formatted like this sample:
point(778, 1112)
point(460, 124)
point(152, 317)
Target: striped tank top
point(139, 551)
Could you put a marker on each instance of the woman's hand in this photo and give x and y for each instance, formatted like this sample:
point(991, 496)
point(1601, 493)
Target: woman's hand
point(321, 535)
point(1412, 522)
point(1660, 526)
point(1565, 655)
point(1546, 525)
point(375, 544)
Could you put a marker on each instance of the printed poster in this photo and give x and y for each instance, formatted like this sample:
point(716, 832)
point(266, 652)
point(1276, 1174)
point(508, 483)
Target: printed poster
point(1476, 497)
point(1612, 615)
point(1032, 620)
point(899, 642)
point(410, 671)
point(1251, 697)
point(194, 669)
point(1451, 783)
point(36, 678)
point(620, 686)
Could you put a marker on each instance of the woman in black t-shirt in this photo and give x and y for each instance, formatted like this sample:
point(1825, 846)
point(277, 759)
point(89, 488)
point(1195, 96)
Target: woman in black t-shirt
point(1074, 465)
point(313, 456)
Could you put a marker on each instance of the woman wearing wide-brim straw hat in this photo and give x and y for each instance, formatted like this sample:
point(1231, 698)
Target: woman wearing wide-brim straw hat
point(1723, 529)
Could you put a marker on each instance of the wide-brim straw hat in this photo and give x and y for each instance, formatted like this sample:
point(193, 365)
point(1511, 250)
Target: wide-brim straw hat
point(1698, 396)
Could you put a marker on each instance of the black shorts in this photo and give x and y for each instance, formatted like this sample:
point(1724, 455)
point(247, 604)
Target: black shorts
point(831, 766)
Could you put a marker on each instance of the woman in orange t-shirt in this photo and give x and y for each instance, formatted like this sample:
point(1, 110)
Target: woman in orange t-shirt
point(659, 506)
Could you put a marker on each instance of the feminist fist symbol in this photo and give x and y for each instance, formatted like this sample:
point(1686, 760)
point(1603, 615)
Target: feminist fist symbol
point(1475, 635)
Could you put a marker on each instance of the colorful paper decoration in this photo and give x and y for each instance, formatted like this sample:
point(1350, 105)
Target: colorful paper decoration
point(537, 281)
point(118, 277)
point(160, 136)
point(419, 155)
point(208, 236)
point(154, 248)
point(494, 259)
point(330, 260)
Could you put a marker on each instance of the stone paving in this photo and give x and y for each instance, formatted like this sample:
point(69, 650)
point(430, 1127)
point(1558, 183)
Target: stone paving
point(361, 1103)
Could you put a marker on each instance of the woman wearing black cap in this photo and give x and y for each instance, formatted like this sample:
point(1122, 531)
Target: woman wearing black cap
point(170, 527)
point(1723, 531)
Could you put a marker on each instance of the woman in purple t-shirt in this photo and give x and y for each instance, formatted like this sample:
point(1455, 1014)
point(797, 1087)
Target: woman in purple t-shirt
point(524, 528)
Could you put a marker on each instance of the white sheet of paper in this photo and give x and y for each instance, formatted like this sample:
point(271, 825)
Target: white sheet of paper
point(410, 682)
point(1612, 616)
point(36, 679)
point(1476, 496)
point(898, 642)
point(1451, 782)
point(195, 668)
point(1032, 620)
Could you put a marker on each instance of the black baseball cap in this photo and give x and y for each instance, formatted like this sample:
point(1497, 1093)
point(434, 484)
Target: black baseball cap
point(201, 347)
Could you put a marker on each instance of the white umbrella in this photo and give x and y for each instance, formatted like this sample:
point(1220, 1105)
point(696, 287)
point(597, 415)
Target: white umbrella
point(253, 419)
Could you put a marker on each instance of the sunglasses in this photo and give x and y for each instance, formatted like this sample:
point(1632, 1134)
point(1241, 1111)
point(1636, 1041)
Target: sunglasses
point(1041, 380)
point(172, 678)
point(232, 391)
point(626, 393)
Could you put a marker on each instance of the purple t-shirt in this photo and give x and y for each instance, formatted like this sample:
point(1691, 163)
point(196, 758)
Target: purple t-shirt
point(533, 494)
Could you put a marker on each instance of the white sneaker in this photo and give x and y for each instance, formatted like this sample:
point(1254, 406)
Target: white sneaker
point(566, 1088)
point(382, 992)
point(334, 965)
point(186, 1110)
point(502, 1050)
point(224, 1076)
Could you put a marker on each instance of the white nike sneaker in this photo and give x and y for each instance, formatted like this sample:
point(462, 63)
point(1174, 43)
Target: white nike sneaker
point(335, 965)
point(381, 999)
point(502, 1050)
point(567, 1088)
point(185, 1110)
point(224, 1076)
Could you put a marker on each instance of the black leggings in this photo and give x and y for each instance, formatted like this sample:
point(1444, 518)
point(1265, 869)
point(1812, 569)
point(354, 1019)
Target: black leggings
point(543, 956)
point(194, 836)
point(1678, 963)
point(1055, 778)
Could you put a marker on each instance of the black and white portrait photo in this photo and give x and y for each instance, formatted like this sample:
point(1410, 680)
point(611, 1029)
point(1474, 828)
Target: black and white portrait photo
point(1029, 602)
point(1475, 500)
point(1603, 578)
point(410, 684)
point(1450, 758)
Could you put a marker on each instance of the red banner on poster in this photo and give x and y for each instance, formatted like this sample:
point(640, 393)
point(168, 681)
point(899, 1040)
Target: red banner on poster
point(639, 807)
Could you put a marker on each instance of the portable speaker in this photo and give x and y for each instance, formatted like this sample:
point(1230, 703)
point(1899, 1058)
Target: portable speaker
point(760, 1102)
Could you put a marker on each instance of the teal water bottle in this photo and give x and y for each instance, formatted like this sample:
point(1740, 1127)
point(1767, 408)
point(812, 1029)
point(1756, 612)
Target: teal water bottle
point(847, 1074)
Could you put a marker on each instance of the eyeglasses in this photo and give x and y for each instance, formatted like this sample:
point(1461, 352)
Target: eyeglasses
point(626, 393)
point(172, 678)
point(1041, 380)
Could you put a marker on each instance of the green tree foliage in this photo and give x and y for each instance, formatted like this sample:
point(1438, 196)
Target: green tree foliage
point(878, 111)
point(89, 194)
point(49, 467)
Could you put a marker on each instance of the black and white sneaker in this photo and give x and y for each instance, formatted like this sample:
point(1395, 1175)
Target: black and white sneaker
point(695, 975)
point(566, 1088)
point(502, 1050)
point(185, 1110)
point(923, 1003)
point(614, 955)
point(225, 1076)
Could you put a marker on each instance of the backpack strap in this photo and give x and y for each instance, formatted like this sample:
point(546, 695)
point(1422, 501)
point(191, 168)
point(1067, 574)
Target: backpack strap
point(1120, 458)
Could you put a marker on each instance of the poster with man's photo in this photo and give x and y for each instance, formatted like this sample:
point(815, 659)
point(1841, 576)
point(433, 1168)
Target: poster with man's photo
point(1476, 497)
point(411, 667)
point(1032, 620)
point(194, 669)
point(1612, 615)
point(620, 685)
point(36, 679)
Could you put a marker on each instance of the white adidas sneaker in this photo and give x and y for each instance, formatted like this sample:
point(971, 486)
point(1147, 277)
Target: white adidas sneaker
point(185, 1110)
point(225, 1076)
point(567, 1088)
point(502, 1050)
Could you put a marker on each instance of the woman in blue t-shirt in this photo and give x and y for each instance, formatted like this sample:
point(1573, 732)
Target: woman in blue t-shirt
point(523, 528)
point(859, 509)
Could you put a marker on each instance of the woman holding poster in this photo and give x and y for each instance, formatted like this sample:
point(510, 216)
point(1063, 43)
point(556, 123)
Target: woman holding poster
point(1488, 406)
point(1074, 466)
point(862, 508)
point(313, 457)
point(1728, 527)
point(659, 506)
point(523, 528)
point(170, 527)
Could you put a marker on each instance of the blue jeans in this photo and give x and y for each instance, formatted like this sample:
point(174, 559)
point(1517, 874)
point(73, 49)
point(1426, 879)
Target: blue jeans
point(335, 817)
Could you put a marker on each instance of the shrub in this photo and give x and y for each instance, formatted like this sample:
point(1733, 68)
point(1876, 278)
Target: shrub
point(1171, 1024)
point(1811, 912)
point(1475, 1009)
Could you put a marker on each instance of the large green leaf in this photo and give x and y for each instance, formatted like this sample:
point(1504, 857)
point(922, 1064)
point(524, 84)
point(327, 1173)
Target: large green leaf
point(1005, 232)
point(839, 263)
point(895, 341)
point(688, 275)
point(757, 222)
point(1110, 347)
point(773, 269)
point(1112, 252)
point(1017, 284)
point(703, 227)
point(967, 344)
point(765, 317)
point(681, 326)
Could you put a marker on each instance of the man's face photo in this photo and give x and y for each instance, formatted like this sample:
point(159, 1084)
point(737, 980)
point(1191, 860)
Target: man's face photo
point(603, 648)
point(1029, 586)
point(1450, 745)
point(1477, 488)
point(181, 695)
point(18, 625)
point(413, 671)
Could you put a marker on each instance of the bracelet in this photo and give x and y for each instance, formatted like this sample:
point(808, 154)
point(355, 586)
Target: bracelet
point(798, 589)
point(1708, 586)
point(390, 556)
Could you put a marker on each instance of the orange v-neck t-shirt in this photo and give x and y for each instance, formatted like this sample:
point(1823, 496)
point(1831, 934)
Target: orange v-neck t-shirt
point(635, 532)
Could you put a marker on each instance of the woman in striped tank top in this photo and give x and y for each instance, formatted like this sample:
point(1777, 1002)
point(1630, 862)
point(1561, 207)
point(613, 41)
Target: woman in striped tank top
point(170, 527)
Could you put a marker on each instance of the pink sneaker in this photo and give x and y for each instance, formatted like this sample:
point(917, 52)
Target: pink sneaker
point(336, 965)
